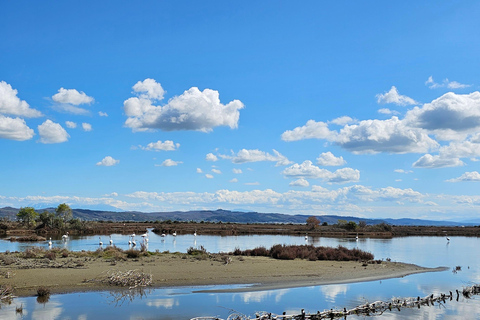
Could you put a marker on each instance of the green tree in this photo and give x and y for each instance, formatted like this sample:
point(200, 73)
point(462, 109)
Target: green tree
point(47, 218)
point(313, 222)
point(64, 211)
point(27, 215)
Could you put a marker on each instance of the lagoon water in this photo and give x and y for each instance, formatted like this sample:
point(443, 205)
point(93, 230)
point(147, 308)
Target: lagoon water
point(187, 302)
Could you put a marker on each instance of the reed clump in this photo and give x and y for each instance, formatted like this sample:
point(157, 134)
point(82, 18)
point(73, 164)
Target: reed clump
point(309, 252)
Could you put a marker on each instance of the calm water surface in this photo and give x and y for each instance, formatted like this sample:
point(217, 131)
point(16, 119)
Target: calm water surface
point(185, 303)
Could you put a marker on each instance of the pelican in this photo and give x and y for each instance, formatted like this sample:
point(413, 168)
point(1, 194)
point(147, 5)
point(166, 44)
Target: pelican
point(100, 243)
point(50, 242)
point(111, 241)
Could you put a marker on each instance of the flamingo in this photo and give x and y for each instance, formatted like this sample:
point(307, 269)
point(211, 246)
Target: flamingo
point(174, 233)
point(100, 243)
point(65, 237)
point(111, 241)
point(195, 233)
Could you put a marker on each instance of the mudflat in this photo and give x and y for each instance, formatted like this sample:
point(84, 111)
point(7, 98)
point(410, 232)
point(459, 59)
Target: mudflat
point(84, 273)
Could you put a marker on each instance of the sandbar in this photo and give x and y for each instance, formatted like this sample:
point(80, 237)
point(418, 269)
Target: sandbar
point(78, 274)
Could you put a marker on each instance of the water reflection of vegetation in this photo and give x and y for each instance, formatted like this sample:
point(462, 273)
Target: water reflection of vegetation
point(119, 297)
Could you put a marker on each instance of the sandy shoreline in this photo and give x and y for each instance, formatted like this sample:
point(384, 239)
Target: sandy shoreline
point(76, 274)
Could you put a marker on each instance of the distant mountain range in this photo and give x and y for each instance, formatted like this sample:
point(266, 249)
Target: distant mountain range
point(227, 216)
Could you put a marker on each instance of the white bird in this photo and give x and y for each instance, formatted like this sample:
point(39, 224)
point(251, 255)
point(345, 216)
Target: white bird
point(356, 237)
point(174, 233)
point(448, 239)
point(195, 233)
point(100, 243)
point(134, 243)
point(65, 237)
point(306, 237)
point(50, 242)
point(111, 241)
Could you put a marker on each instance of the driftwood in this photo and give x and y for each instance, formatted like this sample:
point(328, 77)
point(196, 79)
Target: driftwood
point(375, 308)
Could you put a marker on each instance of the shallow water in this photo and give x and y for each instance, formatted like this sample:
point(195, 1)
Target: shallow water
point(185, 303)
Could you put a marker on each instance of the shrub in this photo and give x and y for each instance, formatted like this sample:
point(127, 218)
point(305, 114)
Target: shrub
point(132, 253)
point(50, 255)
point(43, 292)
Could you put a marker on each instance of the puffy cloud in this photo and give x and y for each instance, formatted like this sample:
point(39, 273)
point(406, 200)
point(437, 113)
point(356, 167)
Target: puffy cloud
point(437, 161)
point(168, 145)
point(310, 171)
point(209, 176)
point(394, 97)
point(311, 130)
point(216, 171)
point(108, 161)
point(392, 135)
point(86, 126)
point(102, 114)
point(449, 114)
point(51, 132)
point(388, 111)
point(192, 110)
point(467, 176)
point(343, 121)
point(446, 83)
point(14, 129)
point(199, 170)
point(170, 163)
point(149, 89)
point(72, 96)
point(211, 157)
point(328, 159)
point(237, 171)
point(234, 180)
point(70, 124)
point(11, 104)
point(256, 155)
point(299, 183)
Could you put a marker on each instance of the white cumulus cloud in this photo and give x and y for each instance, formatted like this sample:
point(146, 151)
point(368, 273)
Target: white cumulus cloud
point(86, 126)
point(467, 176)
point(192, 110)
point(211, 157)
point(15, 129)
point(199, 170)
point(449, 115)
point(216, 171)
point(437, 161)
point(170, 163)
point(328, 159)
point(256, 155)
point(149, 89)
point(70, 124)
point(72, 96)
point(311, 130)
point(392, 136)
point(209, 176)
point(394, 97)
point(237, 171)
point(307, 170)
point(51, 132)
point(299, 183)
point(12, 105)
point(108, 161)
point(167, 145)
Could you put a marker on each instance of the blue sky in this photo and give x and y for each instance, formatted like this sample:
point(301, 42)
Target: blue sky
point(357, 108)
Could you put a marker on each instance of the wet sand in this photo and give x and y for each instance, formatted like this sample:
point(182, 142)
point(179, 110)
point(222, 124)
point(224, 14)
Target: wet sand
point(75, 274)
